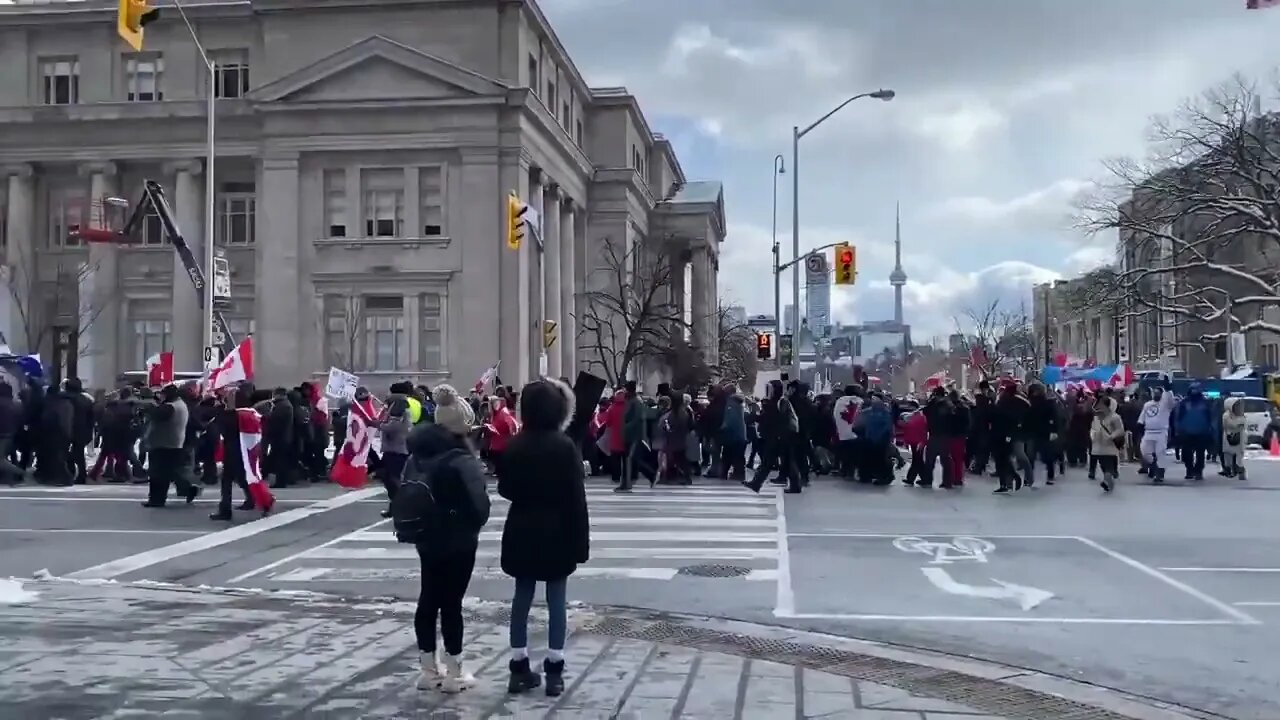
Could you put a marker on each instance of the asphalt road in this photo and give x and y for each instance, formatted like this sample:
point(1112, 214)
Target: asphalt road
point(1171, 592)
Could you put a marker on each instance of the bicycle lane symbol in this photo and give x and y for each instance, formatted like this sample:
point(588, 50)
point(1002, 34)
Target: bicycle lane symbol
point(960, 549)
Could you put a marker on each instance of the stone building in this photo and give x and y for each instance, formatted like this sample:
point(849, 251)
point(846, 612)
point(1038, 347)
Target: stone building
point(1080, 331)
point(364, 153)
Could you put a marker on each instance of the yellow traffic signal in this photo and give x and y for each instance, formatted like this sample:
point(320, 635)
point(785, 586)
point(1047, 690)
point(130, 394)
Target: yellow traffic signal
point(764, 346)
point(846, 264)
point(516, 211)
point(132, 17)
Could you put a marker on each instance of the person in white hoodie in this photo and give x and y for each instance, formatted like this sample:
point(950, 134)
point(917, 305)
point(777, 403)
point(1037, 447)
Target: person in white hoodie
point(1233, 439)
point(1154, 420)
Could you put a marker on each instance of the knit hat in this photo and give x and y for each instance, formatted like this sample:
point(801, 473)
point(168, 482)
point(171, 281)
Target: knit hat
point(452, 414)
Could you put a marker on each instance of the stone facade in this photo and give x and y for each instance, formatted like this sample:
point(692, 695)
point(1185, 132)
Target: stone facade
point(364, 153)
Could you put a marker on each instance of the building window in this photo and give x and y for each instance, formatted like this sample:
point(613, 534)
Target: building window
point(335, 202)
point(66, 215)
point(578, 133)
point(383, 191)
point(1271, 355)
point(534, 79)
point(143, 77)
point(431, 342)
point(237, 206)
point(431, 188)
point(551, 94)
point(231, 73)
point(384, 325)
point(61, 79)
point(344, 330)
point(153, 234)
point(150, 338)
point(564, 120)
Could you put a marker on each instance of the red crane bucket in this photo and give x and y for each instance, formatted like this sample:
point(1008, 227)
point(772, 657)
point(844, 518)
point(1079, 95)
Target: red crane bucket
point(106, 222)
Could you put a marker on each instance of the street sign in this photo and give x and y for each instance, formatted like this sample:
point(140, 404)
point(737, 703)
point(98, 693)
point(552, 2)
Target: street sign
point(211, 356)
point(221, 280)
point(816, 271)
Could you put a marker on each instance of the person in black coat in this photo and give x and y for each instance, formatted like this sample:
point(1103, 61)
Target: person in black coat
point(547, 531)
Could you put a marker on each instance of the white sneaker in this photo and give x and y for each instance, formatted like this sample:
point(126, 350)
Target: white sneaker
point(431, 677)
point(456, 679)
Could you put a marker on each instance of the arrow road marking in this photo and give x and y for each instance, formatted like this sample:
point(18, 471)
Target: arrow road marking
point(1027, 597)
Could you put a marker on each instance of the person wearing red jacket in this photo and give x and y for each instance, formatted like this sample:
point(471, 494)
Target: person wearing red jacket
point(915, 435)
point(502, 426)
point(616, 442)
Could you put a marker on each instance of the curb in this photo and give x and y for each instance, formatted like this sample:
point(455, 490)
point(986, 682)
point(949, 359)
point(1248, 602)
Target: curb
point(1002, 690)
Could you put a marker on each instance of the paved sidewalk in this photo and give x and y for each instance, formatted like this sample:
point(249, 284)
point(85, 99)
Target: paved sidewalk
point(80, 651)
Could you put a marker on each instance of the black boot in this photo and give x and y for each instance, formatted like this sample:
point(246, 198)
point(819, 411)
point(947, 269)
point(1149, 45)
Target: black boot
point(522, 678)
point(555, 677)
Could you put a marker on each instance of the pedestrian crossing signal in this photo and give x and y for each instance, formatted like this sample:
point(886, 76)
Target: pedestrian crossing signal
point(516, 210)
point(846, 264)
point(764, 346)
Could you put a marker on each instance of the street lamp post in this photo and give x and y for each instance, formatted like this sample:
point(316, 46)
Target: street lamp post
point(209, 187)
point(796, 134)
point(779, 168)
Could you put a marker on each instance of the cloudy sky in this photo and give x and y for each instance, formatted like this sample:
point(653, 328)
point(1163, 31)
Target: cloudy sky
point(1004, 110)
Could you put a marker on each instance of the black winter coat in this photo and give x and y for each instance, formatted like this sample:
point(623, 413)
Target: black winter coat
point(547, 531)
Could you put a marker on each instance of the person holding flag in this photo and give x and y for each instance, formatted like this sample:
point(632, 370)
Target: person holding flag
point(241, 429)
point(351, 467)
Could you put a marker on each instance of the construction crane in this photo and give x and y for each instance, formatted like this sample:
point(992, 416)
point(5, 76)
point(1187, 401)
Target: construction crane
point(153, 199)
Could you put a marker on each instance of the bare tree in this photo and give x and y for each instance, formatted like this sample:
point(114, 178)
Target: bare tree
point(50, 301)
point(344, 328)
point(738, 359)
point(1198, 221)
point(632, 315)
point(993, 338)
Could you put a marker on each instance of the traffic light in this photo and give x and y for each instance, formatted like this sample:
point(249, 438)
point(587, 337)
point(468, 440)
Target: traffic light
point(516, 211)
point(132, 17)
point(764, 346)
point(846, 264)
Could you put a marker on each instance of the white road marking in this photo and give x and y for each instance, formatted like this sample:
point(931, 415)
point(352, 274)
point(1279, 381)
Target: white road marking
point(1238, 615)
point(1258, 603)
point(303, 553)
point(785, 601)
point(325, 552)
point(145, 559)
point(386, 536)
point(1026, 597)
point(1017, 619)
point(103, 531)
point(360, 575)
point(1221, 569)
point(836, 534)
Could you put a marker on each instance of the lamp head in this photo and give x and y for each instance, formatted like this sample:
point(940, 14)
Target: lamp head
point(883, 94)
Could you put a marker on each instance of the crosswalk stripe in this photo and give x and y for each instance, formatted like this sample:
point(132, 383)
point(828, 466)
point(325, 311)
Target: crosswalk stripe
point(406, 552)
point(353, 574)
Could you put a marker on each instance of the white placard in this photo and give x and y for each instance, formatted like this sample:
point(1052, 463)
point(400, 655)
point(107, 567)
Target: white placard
point(342, 384)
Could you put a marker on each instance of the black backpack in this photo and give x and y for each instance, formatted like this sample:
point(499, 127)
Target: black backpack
point(416, 513)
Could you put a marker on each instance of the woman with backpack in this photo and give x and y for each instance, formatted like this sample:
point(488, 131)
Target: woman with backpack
point(440, 507)
point(547, 531)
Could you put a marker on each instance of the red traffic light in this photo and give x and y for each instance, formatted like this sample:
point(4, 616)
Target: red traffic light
point(846, 256)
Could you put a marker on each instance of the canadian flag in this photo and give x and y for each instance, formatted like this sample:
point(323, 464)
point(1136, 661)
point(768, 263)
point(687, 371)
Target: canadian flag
point(351, 469)
point(250, 423)
point(160, 369)
point(236, 367)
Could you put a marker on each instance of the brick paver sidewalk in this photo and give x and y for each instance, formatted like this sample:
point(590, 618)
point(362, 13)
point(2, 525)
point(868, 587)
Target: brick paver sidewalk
point(100, 651)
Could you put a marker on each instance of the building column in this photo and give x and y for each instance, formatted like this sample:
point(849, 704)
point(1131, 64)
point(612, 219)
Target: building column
point(278, 350)
point(19, 260)
point(700, 311)
point(537, 270)
point(101, 322)
point(187, 328)
point(568, 283)
point(552, 275)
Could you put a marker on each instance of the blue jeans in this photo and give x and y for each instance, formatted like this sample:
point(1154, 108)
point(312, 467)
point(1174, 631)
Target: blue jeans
point(556, 619)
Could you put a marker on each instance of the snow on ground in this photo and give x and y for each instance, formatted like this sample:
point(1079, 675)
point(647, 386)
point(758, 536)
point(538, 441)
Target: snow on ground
point(11, 593)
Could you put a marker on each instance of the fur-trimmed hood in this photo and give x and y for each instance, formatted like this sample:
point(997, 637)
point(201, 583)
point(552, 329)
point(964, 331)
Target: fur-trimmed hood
point(546, 405)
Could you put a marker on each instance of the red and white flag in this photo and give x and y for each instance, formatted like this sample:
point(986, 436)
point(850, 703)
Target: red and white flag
point(489, 376)
point(250, 423)
point(351, 469)
point(236, 367)
point(160, 369)
point(1261, 4)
